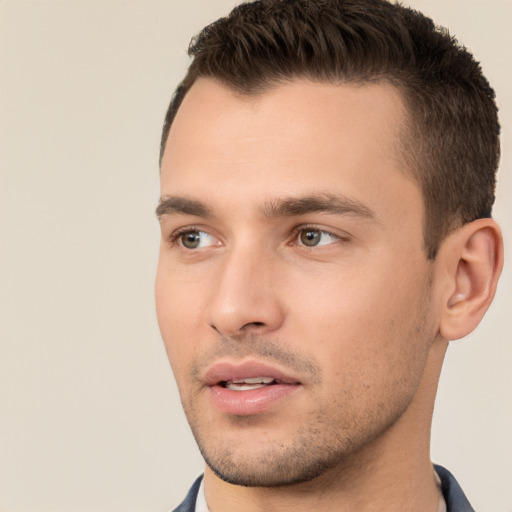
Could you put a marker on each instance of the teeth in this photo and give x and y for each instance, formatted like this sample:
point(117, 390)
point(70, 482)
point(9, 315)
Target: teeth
point(243, 387)
point(248, 384)
point(254, 380)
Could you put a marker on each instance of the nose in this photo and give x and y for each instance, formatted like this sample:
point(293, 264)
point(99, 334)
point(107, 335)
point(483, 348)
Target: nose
point(245, 295)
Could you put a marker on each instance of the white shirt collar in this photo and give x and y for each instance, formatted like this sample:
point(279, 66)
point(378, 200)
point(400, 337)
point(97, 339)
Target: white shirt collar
point(201, 505)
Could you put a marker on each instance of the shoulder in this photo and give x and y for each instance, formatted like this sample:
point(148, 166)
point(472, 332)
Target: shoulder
point(189, 503)
point(454, 496)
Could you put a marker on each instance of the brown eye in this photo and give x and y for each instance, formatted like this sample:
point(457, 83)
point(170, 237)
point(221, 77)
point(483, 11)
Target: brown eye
point(191, 240)
point(310, 237)
point(196, 239)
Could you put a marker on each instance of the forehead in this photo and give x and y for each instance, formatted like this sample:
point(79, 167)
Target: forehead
point(299, 137)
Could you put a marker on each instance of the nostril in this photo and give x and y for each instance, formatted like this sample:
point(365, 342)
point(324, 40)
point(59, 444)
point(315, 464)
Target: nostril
point(254, 324)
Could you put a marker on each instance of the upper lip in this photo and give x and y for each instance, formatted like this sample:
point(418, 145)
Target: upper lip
point(225, 371)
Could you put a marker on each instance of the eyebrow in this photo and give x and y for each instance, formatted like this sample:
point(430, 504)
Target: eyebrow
point(317, 203)
point(275, 208)
point(182, 206)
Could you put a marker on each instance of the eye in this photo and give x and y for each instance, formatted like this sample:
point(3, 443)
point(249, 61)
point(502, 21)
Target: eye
point(310, 237)
point(196, 239)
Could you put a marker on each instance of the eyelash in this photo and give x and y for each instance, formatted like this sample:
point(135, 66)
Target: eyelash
point(175, 235)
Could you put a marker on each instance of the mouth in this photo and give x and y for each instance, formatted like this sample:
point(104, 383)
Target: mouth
point(248, 388)
point(246, 375)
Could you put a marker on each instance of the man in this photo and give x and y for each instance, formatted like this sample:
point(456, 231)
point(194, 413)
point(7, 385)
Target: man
point(327, 178)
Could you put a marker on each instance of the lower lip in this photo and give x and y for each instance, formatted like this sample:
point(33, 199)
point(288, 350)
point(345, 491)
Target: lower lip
point(254, 401)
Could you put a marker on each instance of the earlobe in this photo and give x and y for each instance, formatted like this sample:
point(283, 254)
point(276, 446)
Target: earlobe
point(473, 259)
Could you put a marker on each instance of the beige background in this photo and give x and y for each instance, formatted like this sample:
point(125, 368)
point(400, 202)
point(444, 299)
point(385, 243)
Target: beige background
point(89, 417)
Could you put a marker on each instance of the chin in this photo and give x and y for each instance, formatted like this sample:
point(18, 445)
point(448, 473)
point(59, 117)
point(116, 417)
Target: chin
point(275, 474)
point(272, 465)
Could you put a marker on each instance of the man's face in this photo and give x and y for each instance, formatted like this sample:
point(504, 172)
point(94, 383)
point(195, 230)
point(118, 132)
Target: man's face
point(293, 292)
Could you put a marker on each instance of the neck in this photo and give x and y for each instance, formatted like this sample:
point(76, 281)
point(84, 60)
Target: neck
point(393, 472)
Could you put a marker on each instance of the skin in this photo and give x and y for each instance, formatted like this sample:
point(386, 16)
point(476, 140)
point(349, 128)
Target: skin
point(356, 319)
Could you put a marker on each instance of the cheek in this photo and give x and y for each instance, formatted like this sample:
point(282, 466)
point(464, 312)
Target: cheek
point(366, 320)
point(342, 300)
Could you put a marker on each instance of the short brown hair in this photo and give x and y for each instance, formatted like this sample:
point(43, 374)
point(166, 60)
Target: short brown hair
point(452, 142)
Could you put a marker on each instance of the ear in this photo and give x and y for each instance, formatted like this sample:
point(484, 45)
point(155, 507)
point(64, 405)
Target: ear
point(472, 260)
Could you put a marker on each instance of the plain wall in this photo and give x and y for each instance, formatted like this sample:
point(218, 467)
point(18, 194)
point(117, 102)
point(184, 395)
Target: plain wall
point(89, 416)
